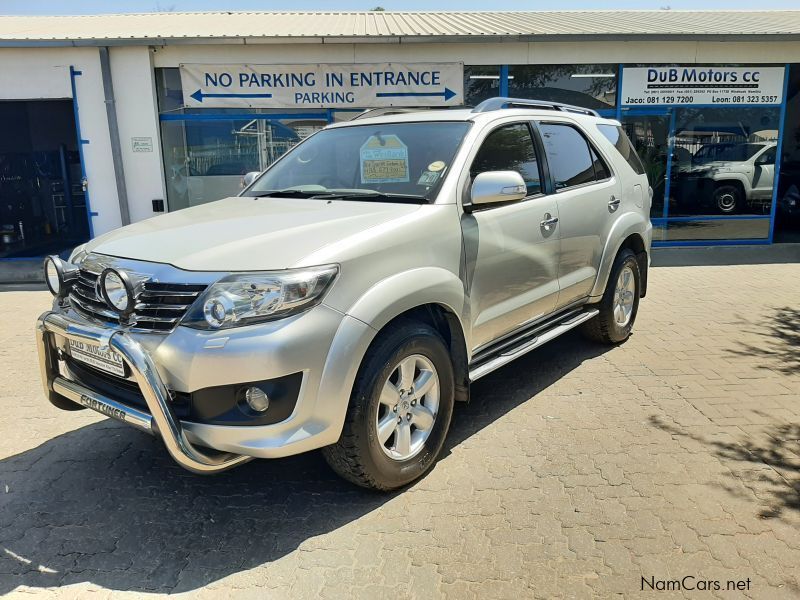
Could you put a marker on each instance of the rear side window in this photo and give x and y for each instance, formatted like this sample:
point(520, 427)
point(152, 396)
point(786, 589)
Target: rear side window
point(601, 170)
point(617, 136)
point(569, 156)
point(509, 148)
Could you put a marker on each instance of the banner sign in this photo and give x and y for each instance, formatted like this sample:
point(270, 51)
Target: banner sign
point(322, 85)
point(653, 86)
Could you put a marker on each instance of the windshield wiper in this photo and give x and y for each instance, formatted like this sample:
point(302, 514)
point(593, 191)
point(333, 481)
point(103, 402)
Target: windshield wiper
point(287, 193)
point(341, 195)
point(378, 196)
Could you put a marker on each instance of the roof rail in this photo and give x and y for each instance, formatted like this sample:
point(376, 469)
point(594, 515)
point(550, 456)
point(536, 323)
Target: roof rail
point(398, 110)
point(500, 103)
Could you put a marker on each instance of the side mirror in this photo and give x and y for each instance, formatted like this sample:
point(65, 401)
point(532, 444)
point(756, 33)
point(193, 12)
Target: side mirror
point(497, 186)
point(764, 160)
point(249, 178)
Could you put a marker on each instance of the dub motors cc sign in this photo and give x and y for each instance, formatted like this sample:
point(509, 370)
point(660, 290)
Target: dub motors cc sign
point(322, 85)
point(653, 86)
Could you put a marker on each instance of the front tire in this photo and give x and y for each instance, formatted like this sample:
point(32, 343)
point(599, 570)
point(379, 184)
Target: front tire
point(620, 302)
point(728, 198)
point(399, 411)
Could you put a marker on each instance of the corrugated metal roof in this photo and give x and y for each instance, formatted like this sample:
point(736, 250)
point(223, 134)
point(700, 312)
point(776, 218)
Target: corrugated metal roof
point(164, 27)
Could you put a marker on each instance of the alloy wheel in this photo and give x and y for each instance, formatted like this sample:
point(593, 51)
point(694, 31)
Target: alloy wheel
point(407, 407)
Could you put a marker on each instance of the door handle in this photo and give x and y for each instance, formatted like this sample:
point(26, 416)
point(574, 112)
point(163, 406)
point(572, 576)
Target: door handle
point(548, 222)
point(613, 204)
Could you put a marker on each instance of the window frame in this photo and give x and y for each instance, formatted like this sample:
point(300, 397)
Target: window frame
point(589, 146)
point(544, 174)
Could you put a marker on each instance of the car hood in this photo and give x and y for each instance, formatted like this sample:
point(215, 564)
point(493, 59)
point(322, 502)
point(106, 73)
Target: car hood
point(245, 233)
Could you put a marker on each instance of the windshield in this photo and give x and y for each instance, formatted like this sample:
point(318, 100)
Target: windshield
point(726, 152)
point(388, 162)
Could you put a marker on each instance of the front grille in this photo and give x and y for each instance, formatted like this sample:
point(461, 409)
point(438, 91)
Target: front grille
point(158, 306)
point(124, 390)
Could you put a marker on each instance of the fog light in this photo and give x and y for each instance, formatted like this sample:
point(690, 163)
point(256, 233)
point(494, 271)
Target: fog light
point(257, 399)
point(59, 275)
point(53, 274)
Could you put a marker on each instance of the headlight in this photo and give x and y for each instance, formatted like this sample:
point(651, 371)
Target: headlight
point(246, 298)
point(58, 274)
point(78, 254)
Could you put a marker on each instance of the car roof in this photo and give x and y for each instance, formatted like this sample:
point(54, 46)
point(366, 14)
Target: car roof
point(468, 115)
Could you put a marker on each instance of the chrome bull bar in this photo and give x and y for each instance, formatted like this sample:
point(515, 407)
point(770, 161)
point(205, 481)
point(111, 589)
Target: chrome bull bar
point(161, 420)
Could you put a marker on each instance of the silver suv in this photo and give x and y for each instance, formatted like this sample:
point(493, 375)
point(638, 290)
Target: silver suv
point(353, 291)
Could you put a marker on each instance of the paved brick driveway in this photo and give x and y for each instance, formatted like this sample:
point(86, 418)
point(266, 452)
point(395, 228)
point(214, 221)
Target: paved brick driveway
point(573, 473)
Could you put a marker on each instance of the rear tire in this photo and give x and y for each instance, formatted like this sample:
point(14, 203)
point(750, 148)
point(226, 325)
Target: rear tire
point(620, 302)
point(399, 411)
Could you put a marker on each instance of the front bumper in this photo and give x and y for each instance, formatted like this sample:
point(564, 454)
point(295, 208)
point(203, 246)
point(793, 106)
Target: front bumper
point(161, 418)
point(186, 361)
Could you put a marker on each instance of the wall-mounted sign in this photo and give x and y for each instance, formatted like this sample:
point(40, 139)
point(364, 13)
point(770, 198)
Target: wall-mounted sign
point(322, 85)
point(142, 144)
point(653, 86)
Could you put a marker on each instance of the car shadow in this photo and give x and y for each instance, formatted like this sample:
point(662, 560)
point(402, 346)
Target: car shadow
point(105, 504)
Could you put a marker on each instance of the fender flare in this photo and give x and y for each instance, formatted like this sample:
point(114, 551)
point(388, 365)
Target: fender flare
point(402, 292)
point(380, 304)
point(625, 226)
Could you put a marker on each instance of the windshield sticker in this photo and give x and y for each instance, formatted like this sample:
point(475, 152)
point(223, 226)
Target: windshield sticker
point(436, 166)
point(384, 159)
point(428, 178)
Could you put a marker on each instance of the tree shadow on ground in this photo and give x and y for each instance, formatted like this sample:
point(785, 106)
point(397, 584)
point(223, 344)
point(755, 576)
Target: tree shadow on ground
point(105, 504)
point(781, 335)
point(778, 486)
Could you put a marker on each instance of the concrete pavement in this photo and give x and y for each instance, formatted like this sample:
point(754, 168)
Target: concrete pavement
point(575, 472)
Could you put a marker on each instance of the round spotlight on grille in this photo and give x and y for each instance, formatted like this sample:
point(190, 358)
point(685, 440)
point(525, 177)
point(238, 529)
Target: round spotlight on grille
point(117, 291)
point(257, 399)
point(57, 275)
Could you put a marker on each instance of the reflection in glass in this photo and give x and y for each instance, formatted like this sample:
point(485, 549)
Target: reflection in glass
point(717, 229)
point(480, 83)
point(368, 162)
point(650, 137)
point(723, 161)
point(592, 86)
point(509, 148)
point(568, 155)
point(206, 160)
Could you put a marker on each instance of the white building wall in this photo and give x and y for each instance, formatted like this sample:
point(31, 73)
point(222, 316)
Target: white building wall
point(43, 73)
point(137, 117)
point(576, 52)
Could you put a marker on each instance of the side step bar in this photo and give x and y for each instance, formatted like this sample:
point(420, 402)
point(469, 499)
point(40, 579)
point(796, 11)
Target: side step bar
point(509, 352)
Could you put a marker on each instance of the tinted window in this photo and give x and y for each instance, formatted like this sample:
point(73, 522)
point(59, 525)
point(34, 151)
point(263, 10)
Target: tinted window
point(768, 158)
point(601, 170)
point(616, 135)
point(567, 154)
point(510, 148)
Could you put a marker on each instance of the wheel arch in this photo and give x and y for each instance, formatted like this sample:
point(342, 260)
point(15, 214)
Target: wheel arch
point(431, 295)
point(738, 183)
point(629, 232)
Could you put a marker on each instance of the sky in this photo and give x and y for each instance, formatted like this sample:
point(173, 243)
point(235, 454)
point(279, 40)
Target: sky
point(66, 7)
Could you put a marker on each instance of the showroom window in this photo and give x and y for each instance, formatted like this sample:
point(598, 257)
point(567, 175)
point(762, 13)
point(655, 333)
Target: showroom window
point(480, 83)
point(591, 86)
point(710, 149)
point(207, 152)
